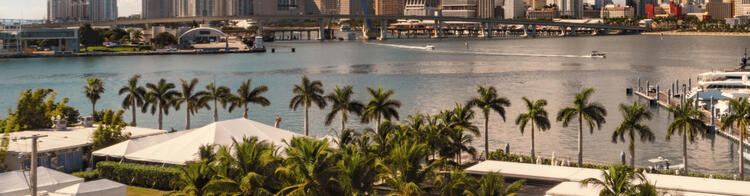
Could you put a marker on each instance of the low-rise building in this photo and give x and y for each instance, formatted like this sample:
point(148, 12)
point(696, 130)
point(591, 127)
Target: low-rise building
point(592, 13)
point(421, 7)
point(614, 11)
point(537, 14)
point(719, 10)
point(459, 8)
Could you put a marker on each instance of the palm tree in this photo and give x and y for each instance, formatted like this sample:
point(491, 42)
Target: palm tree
point(311, 163)
point(632, 124)
point(616, 181)
point(380, 106)
point(193, 101)
point(487, 101)
point(135, 95)
point(592, 113)
point(306, 94)
point(247, 170)
point(537, 116)
point(688, 123)
point(493, 184)
point(357, 171)
point(195, 177)
point(93, 90)
point(220, 94)
point(403, 170)
point(248, 95)
point(740, 118)
point(160, 97)
point(341, 102)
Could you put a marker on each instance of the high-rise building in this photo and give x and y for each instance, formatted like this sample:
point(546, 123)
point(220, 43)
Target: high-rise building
point(389, 7)
point(102, 10)
point(719, 10)
point(741, 7)
point(244, 7)
point(613, 11)
point(573, 8)
point(67, 10)
point(514, 9)
point(204, 7)
point(223, 8)
point(459, 8)
point(485, 8)
point(324, 7)
point(538, 4)
point(157, 9)
point(421, 7)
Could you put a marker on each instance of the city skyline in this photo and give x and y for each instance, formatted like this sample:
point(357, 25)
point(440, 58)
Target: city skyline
point(37, 9)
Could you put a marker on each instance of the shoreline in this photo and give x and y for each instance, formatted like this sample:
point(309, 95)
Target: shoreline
point(736, 34)
point(96, 54)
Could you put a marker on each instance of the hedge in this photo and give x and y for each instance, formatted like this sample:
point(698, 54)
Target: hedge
point(87, 176)
point(150, 176)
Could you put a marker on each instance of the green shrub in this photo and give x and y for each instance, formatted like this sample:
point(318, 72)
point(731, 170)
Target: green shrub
point(150, 176)
point(88, 176)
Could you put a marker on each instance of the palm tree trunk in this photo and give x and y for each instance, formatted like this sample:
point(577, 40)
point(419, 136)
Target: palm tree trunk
point(93, 108)
point(244, 114)
point(160, 117)
point(684, 152)
point(487, 138)
point(307, 131)
point(742, 159)
point(533, 157)
point(377, 126)
point(132, 107)
point(632, 151)
point(580, 140)
point(187, 118)
point(343, 123)
point(216, 112)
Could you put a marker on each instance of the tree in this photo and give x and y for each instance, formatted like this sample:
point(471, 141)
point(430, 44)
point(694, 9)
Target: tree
point(109, 131)
point(247, 170)
point(311, 164)
point(592, 113)
point(739, 118)
point(357, 170)
point(305, 94)
point(631, 125)
point(193, 101)
point(248, 95)
point(220, 94)
point(488, 100)
point(380, 106)
point(688, 123)
point(136, 36)
point(164, 39)
point(134, 95)
point(537, 116)
point(93, 90)
point(34, 110)
point(89, 36)
point(342, 102)
point(494, 184)
point(160, 97)
point(194, 178)
point(619, 180)
point(402, 168)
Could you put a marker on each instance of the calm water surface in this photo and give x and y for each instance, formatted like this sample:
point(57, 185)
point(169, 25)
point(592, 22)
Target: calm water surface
point(552, 69)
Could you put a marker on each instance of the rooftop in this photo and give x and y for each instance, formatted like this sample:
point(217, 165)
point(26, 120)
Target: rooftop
point(73, 137)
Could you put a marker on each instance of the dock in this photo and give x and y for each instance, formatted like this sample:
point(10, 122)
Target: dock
point(658, 98)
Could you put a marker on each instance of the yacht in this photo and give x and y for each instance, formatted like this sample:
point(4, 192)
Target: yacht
point(429, 47)
point(598, 54)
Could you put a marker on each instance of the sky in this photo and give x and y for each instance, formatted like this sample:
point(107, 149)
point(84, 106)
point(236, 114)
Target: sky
point(37, 9)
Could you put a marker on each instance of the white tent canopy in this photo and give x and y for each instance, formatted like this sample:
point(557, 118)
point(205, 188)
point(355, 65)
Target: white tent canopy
point(93, 188)
point(185, 147)
point(16, 182)
point(133, 145)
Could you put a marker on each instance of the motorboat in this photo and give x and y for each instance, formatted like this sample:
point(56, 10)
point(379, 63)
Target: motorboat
point(598, 54)
point(662, 164)
point(429, 47)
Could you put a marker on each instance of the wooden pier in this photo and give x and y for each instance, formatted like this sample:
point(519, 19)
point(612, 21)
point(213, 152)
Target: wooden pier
point(664, 99)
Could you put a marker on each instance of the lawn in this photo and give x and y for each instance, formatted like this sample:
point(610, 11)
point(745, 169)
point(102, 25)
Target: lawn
point(113, 49)
point(140, 191)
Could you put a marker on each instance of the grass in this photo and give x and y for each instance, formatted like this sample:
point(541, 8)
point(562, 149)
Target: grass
point(113, 49)
point(140, 191)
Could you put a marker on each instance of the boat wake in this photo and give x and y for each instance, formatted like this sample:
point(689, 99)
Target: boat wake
point(480, 52)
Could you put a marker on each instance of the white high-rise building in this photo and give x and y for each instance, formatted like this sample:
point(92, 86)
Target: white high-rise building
point(513, 9)
point(68, 10)
point(741, 7)
point(102, 10)
point(572, 8)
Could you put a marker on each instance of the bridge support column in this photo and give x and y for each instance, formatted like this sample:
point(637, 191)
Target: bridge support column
point(573, 31)
point(321, 30)
point(562, 31)
point(606, 31)
point(533, 30)
point(490, 27)
point(383, 29)
point(525, 31)
point(438, 29)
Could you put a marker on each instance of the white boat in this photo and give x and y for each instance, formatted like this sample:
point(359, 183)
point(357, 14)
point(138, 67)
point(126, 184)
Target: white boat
point(429, 47)
point(598, 54)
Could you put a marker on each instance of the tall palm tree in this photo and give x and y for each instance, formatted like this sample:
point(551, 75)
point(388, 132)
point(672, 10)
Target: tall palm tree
point(740, 118)
point(342, 102)
point(618, 180)
point(193, 101)
point(247, 170)
point(592, 113)
point(134, 95)
point(688, 123)
point(633, 124)
point(487, 101)
point(380, 106)
point(220, 94)
point(306, 94)
point(494, 184)
point(160, 97)
point(93, 90)
point(312, 164)
point(246, 94)
point(537, 116)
